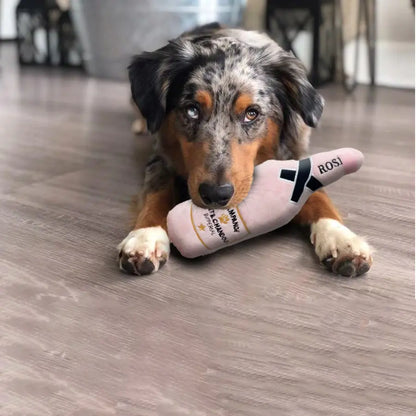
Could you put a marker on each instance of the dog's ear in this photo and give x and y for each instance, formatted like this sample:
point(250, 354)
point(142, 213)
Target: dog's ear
point(146, 89)
point(299, 94)
point(151, 76)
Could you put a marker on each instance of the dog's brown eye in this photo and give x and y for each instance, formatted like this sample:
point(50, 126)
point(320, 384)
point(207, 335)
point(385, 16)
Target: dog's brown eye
point(251, 115)
point(192, 112)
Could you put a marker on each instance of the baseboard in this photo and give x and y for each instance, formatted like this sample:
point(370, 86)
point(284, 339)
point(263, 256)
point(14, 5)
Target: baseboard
point(395, 63)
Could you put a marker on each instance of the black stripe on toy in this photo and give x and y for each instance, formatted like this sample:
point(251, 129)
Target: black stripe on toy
point(303, 175)
point(287, 174)
point(313, 184)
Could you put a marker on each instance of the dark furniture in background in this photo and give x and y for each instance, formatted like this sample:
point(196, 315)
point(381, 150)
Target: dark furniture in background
point(285, 19)
point(45, 35)
point(366, 16)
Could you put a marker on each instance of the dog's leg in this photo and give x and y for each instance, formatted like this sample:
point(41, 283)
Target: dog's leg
point(338, 248)
point(146, 248)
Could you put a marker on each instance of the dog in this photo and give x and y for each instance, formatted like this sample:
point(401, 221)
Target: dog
point(221, 101)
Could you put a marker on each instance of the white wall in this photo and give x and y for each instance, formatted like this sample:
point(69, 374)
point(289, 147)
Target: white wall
point(395, 21)
point(7, 19)
point(395, 48)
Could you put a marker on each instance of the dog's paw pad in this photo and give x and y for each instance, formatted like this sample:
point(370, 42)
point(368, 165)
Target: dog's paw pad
point(137, 264)
point(144, 251)
point(328, 262)
point(348, 266)
point(363, 268)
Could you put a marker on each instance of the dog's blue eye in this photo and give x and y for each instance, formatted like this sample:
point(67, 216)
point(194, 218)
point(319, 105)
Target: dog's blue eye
point(250, 115)
point(192, 112)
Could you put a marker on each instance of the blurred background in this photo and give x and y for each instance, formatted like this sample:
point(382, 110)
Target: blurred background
point(347, 41)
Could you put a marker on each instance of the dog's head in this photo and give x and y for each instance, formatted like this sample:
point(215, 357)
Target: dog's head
point(220, 103)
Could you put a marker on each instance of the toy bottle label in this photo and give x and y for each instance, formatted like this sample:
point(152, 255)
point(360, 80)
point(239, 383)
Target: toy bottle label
point(216, 228)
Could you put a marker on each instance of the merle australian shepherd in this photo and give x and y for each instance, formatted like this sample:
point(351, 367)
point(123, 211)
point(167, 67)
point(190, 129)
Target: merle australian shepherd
point(220, 101)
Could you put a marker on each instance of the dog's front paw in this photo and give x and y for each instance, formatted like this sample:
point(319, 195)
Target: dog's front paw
point(339, 249)
point(144, 250)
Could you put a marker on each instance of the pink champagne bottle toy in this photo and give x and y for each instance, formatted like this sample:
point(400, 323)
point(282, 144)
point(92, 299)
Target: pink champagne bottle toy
point(279, 190)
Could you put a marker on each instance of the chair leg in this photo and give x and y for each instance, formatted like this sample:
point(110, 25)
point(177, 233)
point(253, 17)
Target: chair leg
point(316, 12)
point(370, 21)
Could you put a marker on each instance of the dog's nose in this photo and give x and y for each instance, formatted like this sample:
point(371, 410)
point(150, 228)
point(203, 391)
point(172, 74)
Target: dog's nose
point(216, 194)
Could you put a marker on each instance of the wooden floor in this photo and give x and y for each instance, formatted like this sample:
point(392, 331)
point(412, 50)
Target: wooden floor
point(257, 329)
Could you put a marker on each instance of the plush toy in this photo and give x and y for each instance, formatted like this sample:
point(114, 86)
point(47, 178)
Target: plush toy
point(279, 190)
